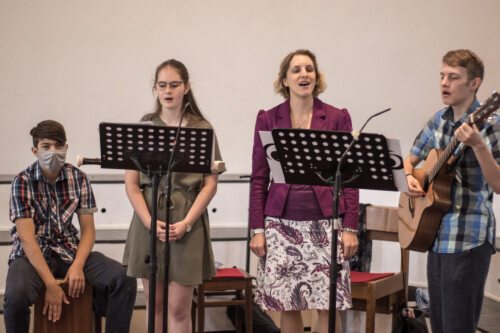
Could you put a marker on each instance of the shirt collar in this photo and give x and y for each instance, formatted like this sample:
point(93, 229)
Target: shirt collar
point(318, 116)
point(38, 174)
point(448, 112)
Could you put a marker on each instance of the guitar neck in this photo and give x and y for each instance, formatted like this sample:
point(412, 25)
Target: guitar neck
point(478, 117)
point(442, 159)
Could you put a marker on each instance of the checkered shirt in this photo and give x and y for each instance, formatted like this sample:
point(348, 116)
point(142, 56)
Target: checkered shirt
point(51, 206)
point(470, 221)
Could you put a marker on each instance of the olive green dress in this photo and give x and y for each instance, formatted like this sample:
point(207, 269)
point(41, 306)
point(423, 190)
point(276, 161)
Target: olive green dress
point(191, 257)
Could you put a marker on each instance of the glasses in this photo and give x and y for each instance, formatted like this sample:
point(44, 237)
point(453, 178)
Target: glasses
point(162, 85)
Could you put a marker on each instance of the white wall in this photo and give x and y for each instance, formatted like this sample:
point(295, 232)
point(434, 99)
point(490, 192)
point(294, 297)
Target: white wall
point(86, 62)
point(83, 63)
point(227, 213)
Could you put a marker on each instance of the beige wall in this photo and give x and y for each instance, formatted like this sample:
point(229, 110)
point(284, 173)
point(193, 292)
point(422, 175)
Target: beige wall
point(84, 62)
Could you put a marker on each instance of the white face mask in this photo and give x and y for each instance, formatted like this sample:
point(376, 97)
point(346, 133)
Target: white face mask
point(51, 161)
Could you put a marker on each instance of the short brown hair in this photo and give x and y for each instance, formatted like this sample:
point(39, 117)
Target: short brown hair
point(466, 59)
point(48, 129)
point(279, 87)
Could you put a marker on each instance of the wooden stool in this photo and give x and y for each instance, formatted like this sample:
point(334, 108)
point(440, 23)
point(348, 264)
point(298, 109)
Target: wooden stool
point(223, 285)
point(380, 292)
point(76, 317)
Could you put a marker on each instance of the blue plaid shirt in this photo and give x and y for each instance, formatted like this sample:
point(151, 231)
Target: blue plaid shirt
point(470, 221)
point(51, 206)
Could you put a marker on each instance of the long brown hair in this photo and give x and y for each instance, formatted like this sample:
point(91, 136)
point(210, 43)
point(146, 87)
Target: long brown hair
point(188, 98)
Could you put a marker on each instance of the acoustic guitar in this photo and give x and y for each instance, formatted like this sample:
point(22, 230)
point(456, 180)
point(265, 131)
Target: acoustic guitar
point(420, 218)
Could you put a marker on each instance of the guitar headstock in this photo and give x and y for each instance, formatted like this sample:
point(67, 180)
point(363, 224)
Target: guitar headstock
point(486, 108)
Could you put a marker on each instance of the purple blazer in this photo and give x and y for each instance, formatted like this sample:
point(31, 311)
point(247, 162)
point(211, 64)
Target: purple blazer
point(269, 199)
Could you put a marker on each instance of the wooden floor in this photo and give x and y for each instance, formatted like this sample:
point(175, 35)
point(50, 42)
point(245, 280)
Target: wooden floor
point(490, 317)
point(489, 322)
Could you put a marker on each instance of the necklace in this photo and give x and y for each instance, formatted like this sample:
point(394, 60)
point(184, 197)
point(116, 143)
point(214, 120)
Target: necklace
point(301, 123)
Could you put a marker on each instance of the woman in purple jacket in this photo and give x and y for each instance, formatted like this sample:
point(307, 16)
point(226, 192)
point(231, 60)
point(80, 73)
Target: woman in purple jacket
point(291, 224)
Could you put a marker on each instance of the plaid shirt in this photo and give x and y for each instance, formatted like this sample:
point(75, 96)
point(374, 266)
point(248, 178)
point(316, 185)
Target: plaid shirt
point(470, 221)
point(51, 206)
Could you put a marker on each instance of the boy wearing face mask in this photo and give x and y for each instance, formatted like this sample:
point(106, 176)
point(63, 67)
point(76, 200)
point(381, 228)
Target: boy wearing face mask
point(44, 198)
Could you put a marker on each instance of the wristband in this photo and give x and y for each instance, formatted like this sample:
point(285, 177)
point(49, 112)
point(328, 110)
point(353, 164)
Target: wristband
point(254, 232)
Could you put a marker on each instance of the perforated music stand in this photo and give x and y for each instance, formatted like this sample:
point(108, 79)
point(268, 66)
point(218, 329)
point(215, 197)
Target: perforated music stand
point(312, 157)
point(152, 145)
point(156, 151)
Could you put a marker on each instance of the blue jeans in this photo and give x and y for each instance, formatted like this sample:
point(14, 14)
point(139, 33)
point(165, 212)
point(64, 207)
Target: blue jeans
point(456, 288)
point(114, 291)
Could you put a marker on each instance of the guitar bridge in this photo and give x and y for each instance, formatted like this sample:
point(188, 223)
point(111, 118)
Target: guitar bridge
point(411, 207)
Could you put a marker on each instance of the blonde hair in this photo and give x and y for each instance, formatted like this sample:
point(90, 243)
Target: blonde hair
point(280, 88)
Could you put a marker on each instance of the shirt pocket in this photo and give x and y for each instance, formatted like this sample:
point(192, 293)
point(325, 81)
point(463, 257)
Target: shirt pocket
point(68, 204)
point(41, 210)
point(468, 174)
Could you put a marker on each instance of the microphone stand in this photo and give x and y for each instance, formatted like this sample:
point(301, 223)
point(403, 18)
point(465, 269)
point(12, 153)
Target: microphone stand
point(335, 267)
point(166, 253)
point(152, 260)
point(151, 161)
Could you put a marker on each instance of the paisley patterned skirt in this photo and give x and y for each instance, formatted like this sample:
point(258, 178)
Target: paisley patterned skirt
point(295, 273)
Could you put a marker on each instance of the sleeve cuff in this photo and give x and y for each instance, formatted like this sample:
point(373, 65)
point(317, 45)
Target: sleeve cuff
point(253, 232)
point(86, 210)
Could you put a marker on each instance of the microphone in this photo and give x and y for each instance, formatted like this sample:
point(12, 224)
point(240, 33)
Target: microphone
point(80, 160)
point(355, 134)
point(355, 137)
point(338, 173)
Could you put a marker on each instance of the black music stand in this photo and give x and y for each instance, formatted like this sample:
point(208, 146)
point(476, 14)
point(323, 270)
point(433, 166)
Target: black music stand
point(156, 151)
point(312, 157)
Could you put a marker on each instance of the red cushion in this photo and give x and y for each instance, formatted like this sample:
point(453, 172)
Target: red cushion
point(363, 277)
point(228, 273)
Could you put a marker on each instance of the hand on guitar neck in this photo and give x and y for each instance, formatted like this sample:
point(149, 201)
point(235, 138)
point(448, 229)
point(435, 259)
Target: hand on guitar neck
point(429, 187)
point(470, 136)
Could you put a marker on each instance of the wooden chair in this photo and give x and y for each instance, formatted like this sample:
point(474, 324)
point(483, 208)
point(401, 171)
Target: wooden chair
point(240, 288)
point(375, 294)
point(76, 317)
